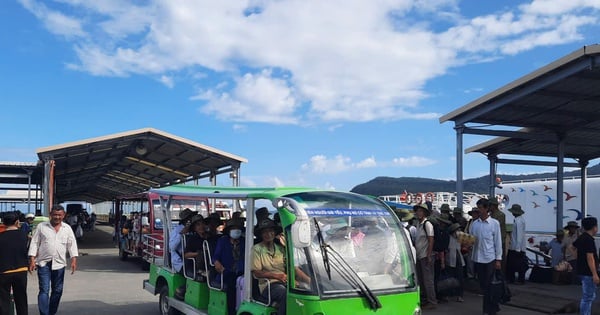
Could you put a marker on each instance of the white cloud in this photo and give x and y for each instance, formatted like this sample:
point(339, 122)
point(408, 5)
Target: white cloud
point(167, 81)
point(296, 61)
point(55, 21)
point(328, 185)
point(413, 161)
point(257, 98)
point(247, 182)
point(473, 90)
point(274, 182)
point(334, 127)
point(321, 164)
point(367, 163)
point(239, 128)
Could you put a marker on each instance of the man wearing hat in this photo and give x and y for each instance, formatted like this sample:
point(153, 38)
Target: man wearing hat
point(445, 208)
point(516, 260)
point(407, 217)
point(261, 215)
point(175, 243)
point(425, 256)
point(570, 251)
point(26, 226)
point(556, 248)
point(457, 217)
point(501, 218)
point(228, 259)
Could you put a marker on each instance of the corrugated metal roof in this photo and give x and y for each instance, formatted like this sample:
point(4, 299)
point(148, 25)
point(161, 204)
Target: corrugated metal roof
point(103, 168)
point(558, 101)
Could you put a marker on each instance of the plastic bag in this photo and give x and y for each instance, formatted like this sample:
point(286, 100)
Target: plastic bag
point(78, 231)
point(499, 291)
point(446, 282)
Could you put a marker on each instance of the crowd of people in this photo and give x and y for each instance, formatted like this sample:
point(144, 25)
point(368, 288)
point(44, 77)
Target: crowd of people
point(448, 246)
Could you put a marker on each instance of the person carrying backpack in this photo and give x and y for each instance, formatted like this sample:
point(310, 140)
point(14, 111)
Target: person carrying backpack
point(424, 243)
point(441, 242)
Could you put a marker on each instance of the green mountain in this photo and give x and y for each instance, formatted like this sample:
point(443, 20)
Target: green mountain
point(396, 185)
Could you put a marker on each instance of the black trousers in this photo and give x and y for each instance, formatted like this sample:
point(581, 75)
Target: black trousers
point(18, 282)
point(515, 263)
point(485, 273)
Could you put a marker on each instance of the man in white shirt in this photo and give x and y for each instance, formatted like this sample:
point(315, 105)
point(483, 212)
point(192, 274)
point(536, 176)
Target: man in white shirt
point(48, 254)
point(425, 256)
point(487, 253)
point(516, 259)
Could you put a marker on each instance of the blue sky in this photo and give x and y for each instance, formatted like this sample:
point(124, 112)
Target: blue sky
point(316, 93)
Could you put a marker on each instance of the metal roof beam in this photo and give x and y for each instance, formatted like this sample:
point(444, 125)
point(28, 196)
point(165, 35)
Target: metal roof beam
point(511, 134)
point(515, 94)
point(535, 163)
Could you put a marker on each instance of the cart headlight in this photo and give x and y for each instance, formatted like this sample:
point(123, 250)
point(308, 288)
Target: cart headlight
point(417, 311)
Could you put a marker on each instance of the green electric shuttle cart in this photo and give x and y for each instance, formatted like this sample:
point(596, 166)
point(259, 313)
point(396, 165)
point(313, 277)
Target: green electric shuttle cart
point(353, 248)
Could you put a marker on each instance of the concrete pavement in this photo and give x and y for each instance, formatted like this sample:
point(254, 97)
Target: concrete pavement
point(103, 284)
point(106, 285)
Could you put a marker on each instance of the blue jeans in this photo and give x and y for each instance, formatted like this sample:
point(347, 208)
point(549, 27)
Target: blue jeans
point(588, 288)
point(48, 278)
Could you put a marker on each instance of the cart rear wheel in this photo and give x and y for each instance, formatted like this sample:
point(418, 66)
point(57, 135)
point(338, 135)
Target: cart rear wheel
point(163, 302)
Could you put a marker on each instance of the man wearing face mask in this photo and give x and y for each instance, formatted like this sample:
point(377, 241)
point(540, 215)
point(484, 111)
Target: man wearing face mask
point(228, 259)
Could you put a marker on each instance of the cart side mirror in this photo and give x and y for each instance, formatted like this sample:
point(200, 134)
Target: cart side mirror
point(301, 233)
point(300, 229)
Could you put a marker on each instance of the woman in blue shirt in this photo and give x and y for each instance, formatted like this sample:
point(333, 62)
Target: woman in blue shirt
point(229, 259)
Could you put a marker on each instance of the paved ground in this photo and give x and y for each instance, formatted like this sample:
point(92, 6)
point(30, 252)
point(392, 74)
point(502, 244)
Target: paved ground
point(472, 305)
point(106, 285)
point(103, 284)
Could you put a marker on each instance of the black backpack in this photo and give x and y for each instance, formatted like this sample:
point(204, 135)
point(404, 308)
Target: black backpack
point(441, 238)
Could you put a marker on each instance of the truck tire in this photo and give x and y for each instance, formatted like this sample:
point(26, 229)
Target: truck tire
point(163, 303)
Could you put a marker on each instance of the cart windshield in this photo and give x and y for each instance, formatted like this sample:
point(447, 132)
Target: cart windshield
point(357, 242)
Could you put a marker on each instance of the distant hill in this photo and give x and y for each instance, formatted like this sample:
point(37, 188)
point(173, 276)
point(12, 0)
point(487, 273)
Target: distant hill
point(390, 186)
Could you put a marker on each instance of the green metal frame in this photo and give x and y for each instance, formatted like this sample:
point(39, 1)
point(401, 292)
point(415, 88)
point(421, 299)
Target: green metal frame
point(215, 300)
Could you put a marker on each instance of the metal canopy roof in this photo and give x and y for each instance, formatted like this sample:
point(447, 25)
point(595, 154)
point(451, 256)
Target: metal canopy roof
point(18, 173)
point(100, 169)
point(558, 101)
point(540, 146)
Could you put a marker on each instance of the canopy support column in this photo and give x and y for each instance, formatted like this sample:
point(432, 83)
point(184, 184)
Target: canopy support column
point(459, 164)
point(29, 172)
point(560, 176)
point(493, 160)
point(583, 164)
point(48, 186)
